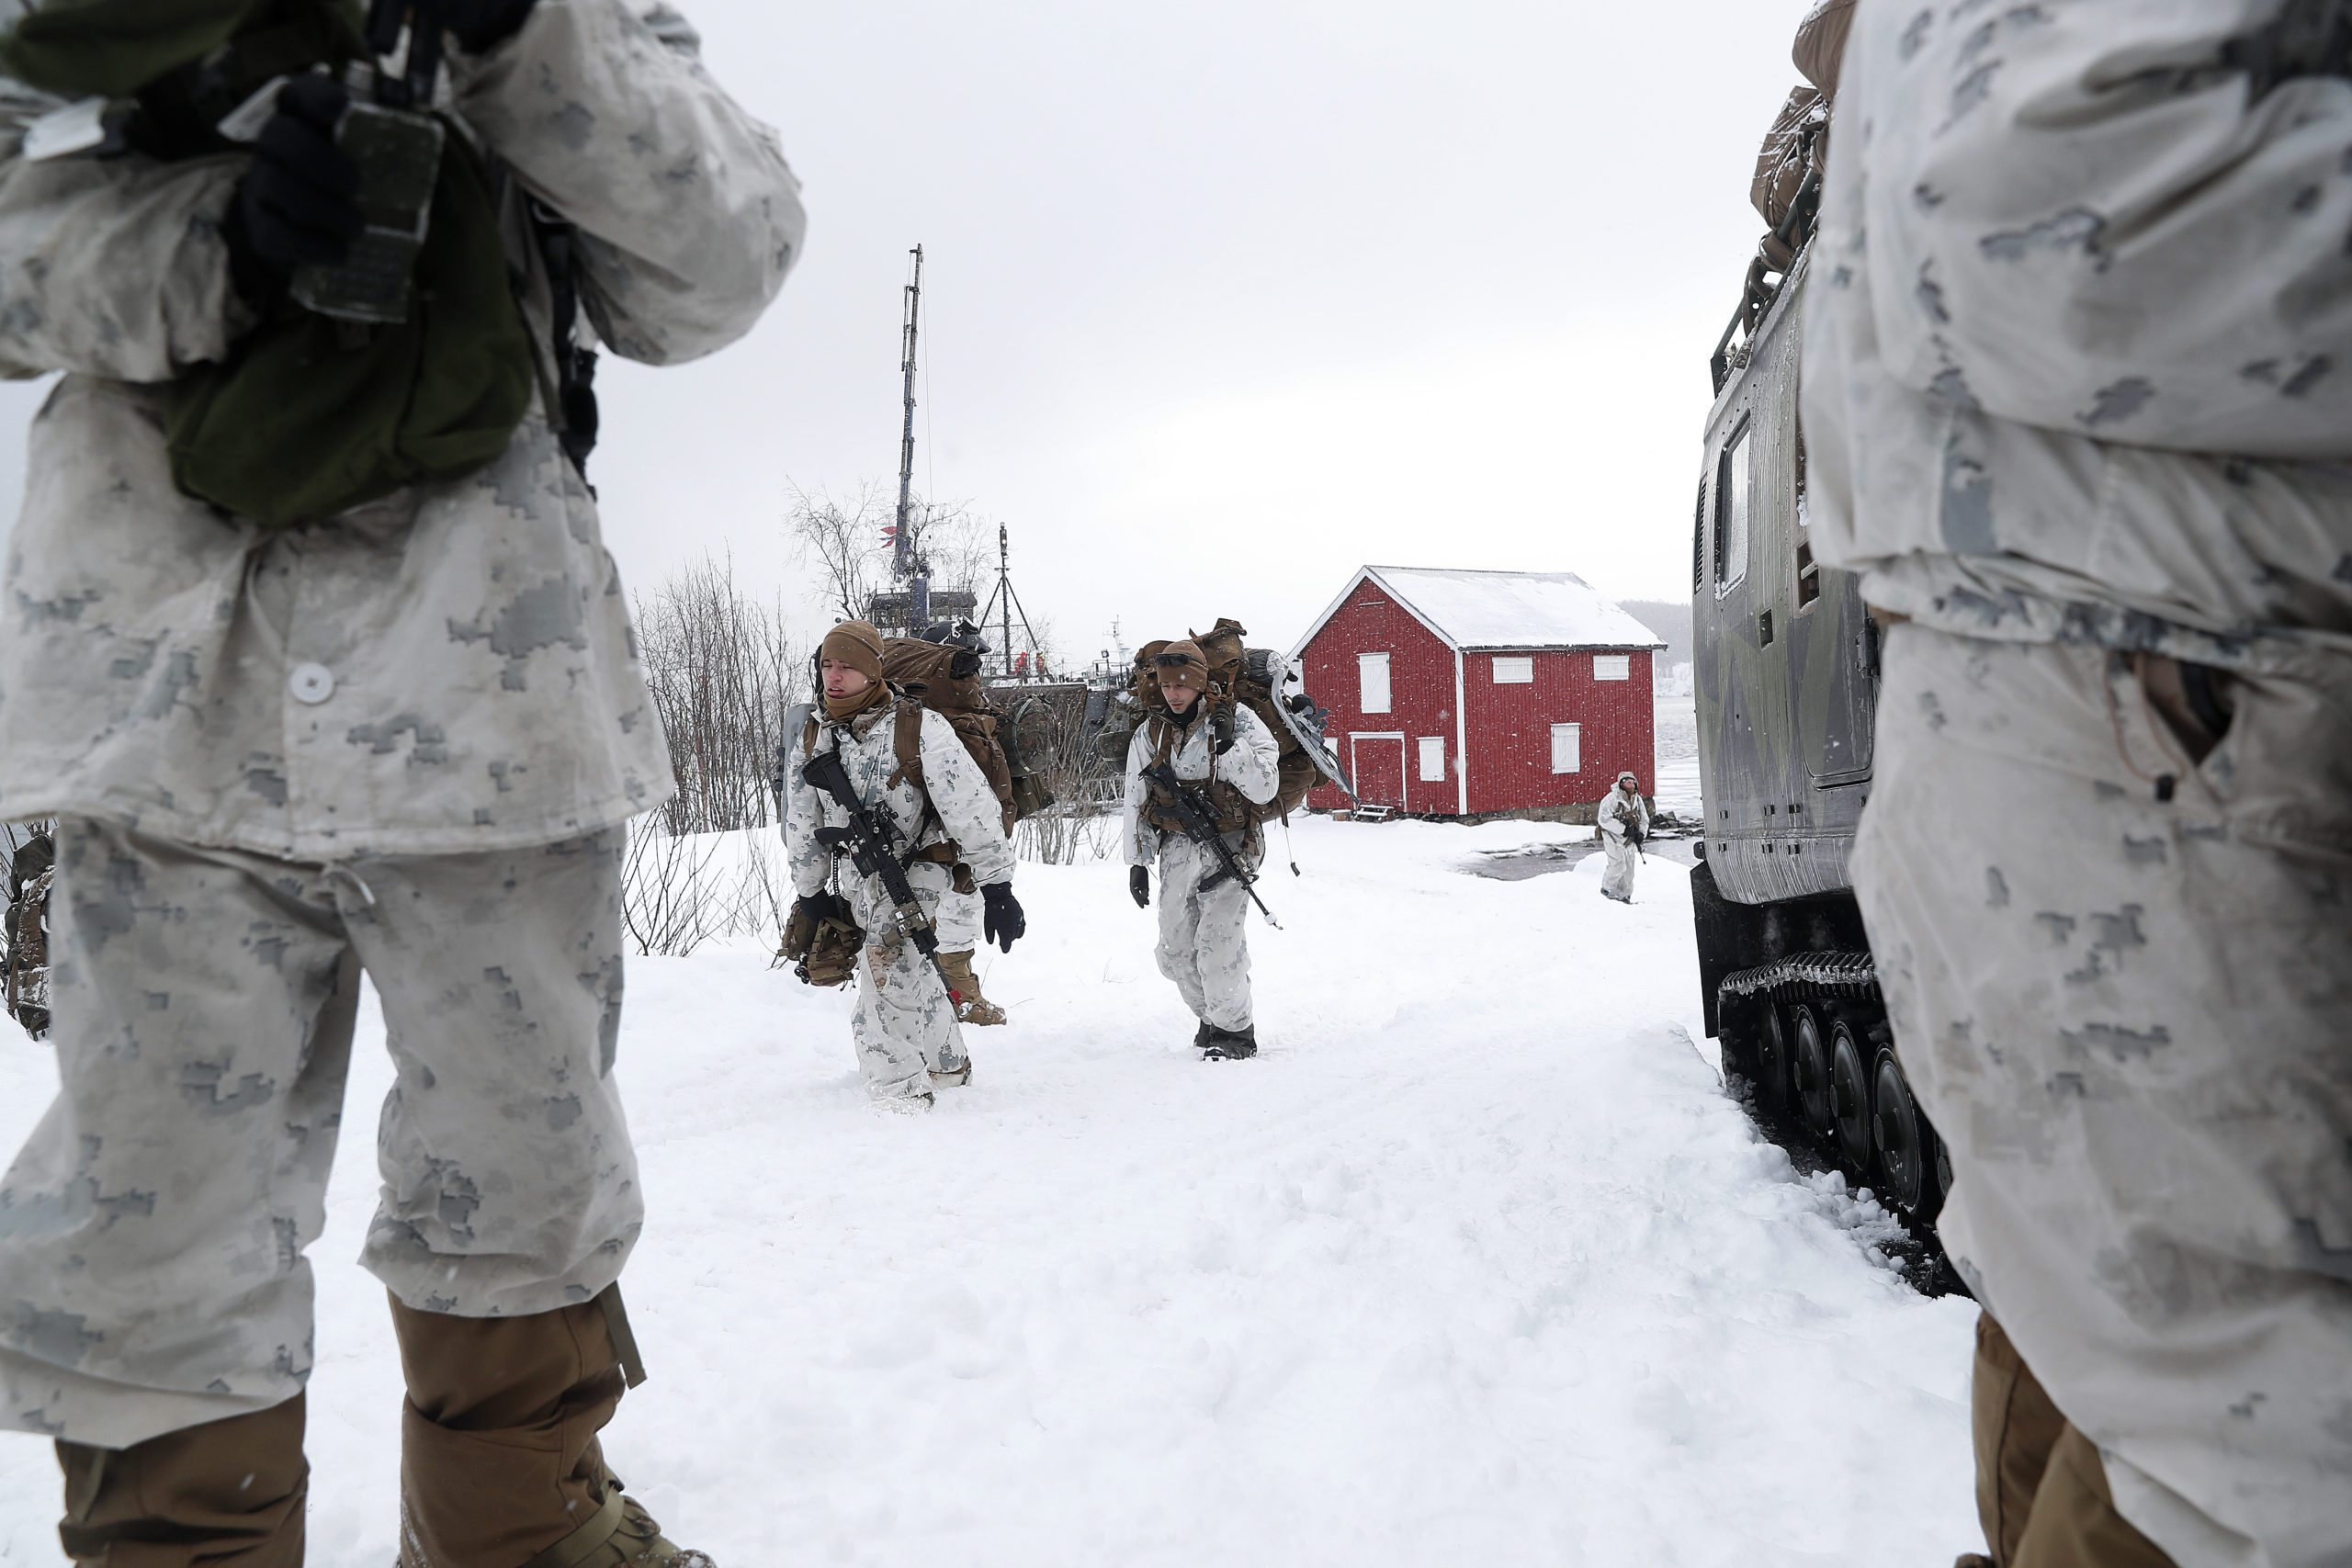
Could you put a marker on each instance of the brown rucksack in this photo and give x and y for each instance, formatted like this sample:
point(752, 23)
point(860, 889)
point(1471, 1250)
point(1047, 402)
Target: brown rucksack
point(1234, 676)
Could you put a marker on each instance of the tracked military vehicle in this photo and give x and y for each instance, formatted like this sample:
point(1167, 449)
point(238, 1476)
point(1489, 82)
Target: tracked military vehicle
point(1786, 663)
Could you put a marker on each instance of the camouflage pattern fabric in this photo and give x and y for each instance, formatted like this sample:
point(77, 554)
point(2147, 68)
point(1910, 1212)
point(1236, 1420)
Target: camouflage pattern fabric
point(2073, 352)
point(1204, 936)
point(960, 916)
point(152, 1229)
point(2125, 1014)
point(448, 670)
point(1203, 945)
point(905, 1027)
point(1617, 879)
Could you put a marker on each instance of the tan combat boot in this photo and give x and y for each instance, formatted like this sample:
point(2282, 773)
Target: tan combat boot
point(500, 1466)
point(228, 1494)
point(975, 1008)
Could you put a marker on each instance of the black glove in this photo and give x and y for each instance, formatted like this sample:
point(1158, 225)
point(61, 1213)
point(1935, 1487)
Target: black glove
point(1001, 922)
point(478, 24)
point(298, 201)
point(1140, 884)
point(820, 907)
point(1221, 729)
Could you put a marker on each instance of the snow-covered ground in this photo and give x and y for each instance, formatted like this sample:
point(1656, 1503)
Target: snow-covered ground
point(1475, 1264)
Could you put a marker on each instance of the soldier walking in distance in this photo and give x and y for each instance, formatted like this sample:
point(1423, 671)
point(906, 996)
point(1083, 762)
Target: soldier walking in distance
point(2078, 404)
point(1623, 818)
point(1227, 750)
point(906, 763)
point(313, 650)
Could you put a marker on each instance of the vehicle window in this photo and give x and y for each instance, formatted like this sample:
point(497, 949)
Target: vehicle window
point(1731, 511)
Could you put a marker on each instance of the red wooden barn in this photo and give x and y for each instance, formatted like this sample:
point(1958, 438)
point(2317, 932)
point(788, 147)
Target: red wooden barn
point(1457, 693)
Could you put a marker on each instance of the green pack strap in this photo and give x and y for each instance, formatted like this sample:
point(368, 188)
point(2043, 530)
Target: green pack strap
point(114, 48)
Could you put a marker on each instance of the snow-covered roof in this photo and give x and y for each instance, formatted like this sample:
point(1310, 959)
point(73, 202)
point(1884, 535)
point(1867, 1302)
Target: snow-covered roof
point(1502, 609)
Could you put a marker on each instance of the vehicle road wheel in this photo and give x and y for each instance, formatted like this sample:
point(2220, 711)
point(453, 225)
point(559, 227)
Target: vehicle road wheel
point(1906, 1148)
point(1850, 1087)
point(1809, 1059)
point(1771, 1062)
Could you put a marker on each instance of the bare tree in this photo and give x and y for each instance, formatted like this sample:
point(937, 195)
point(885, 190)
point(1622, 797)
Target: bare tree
point(844, 540)
point(722, 669)
point(850, 545)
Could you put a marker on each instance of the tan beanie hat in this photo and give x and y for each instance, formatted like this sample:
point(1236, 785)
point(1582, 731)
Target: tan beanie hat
point(856, 644)
point(1180, 664)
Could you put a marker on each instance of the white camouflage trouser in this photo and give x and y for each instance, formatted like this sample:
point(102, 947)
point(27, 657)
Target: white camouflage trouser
point(905, 1027)
point(1203, 945)
point(2128, 1018)
point(1617, 881)
point(151, 1230)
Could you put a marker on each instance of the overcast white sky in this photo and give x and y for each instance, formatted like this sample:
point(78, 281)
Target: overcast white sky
point(1223, 300)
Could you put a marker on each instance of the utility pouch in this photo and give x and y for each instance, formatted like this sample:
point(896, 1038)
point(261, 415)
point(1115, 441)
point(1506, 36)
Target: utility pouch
point(833, 953)
point(822, 946)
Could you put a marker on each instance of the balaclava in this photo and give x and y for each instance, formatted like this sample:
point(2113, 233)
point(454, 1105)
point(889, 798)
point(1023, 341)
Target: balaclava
point(858, 644)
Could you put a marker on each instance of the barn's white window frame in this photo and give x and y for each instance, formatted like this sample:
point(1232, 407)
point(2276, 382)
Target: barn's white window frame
point(1574, 735)
point(1613, 666)
point(1373, 692)
point(1514, 670)
point(1432, 759)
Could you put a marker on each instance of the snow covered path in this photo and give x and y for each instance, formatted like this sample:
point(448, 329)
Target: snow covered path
point(1476, 1263)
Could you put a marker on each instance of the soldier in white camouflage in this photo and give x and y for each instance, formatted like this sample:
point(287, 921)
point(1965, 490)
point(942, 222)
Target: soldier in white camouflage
point(2077, 403)
point(908, 762)
point(402, 739)
point(1226, 751)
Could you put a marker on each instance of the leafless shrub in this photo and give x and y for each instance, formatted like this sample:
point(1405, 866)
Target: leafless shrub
point(671, 901)
point(1080, 825)
point(763, 895)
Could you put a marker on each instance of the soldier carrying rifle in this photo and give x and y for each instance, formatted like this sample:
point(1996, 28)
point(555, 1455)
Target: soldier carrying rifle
point(1215, 760)
point(883, 783)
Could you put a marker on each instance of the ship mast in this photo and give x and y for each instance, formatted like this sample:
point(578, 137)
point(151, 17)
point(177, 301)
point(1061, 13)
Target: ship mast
point(907, 565)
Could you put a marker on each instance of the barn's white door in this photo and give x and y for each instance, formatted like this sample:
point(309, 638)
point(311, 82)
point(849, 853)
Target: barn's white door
point(1378, 763)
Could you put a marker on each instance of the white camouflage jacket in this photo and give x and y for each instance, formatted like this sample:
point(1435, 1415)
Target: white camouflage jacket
point(1619, 813)
point(448, 670)
point(1253, 766)
point(2078, 330)
point(963, 805)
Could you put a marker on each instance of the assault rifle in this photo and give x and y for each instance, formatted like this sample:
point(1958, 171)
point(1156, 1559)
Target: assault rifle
point(1200, 826)
point(869, 840)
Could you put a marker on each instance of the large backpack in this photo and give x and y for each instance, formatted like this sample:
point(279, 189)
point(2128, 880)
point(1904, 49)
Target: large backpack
point(1247, 676)
point(1123, 713)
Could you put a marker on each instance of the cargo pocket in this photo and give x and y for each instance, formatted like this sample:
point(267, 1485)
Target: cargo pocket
point(2283, 770)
